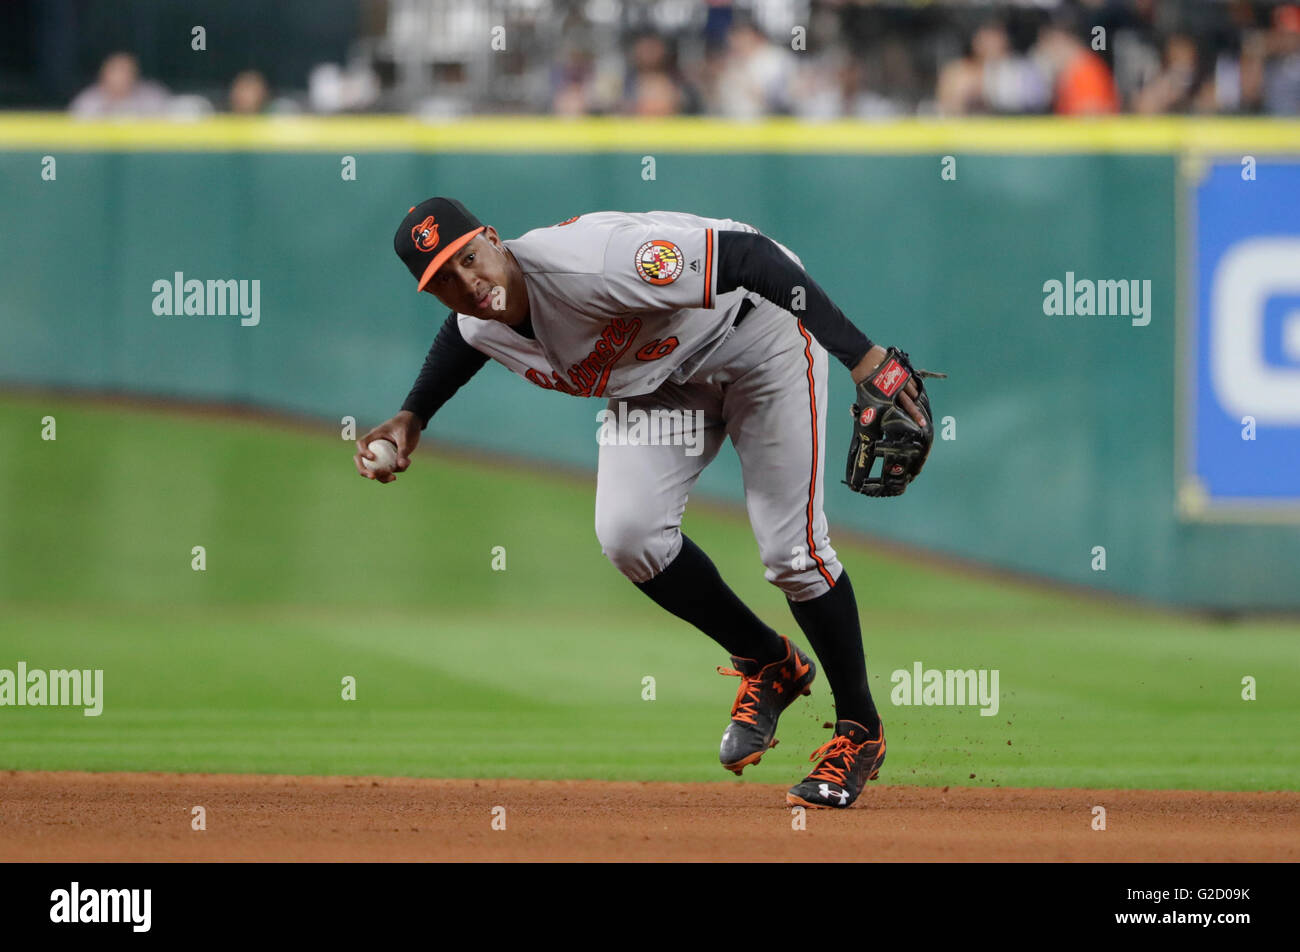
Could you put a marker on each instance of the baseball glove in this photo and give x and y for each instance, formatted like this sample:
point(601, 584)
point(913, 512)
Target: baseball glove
point(883, 429)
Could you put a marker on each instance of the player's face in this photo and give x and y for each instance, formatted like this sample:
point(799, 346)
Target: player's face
point(475, 279)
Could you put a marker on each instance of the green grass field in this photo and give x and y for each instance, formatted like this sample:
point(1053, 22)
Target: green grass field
point(314, 574)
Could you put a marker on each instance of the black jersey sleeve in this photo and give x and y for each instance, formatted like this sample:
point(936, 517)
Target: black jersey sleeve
point(757, 263)
point(449, 365)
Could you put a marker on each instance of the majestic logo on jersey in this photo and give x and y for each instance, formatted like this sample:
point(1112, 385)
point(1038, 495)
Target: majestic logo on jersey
point(892, 376)
point(589, 376)
point(425, 234)
point(567, 221)
point(659, 262)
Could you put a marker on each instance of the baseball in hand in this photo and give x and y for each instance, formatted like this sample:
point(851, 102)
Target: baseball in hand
point(385, 456)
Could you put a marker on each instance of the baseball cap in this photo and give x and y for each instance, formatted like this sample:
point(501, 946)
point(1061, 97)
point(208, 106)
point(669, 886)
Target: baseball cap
point(432, 232)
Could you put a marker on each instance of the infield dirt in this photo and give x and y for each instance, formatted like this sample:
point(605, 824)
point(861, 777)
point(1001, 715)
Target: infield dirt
point(139, 817)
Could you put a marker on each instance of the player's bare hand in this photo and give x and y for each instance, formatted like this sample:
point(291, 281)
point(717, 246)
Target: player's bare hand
point(907, 403)
point(403, 431)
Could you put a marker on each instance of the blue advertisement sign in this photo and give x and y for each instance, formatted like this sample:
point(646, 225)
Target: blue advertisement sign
point(1242, 452)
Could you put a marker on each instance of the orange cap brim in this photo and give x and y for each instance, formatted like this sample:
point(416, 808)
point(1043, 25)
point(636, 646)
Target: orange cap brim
point(446, 253)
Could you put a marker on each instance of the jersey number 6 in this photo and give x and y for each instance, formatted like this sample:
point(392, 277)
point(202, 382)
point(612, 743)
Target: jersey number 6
point(657, 348)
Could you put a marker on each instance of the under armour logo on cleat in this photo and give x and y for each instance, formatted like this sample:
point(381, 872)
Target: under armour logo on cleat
point(827, 793)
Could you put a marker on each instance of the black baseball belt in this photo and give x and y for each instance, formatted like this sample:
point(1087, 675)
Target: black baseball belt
point(745, 307)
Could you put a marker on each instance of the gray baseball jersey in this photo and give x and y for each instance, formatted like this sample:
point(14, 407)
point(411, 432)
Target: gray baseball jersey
point(619, 303)
point(625, 306)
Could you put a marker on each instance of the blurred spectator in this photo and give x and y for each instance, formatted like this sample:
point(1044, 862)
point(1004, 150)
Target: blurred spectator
point(894, 72)
point(1011, 83)
point(648, 54)
point(1181, 85)
point(755, 75)
point(1081, 79)
point(960, 88)
point(861, 100)
point(656, 95)
point(1282, 68)
point(330, 88)
point(652, 86)
point(1239, 82)
point(121, 92)
point(653, 83)
point(571, 77)
point(991, 78)
point(857, 59)
point(249, 94)
point(1239, 78)
point(820, 87)
point(570, 100)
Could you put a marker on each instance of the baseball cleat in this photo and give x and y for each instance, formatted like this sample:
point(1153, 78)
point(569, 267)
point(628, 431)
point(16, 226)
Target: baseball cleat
point(764, 693)
point(848, 761)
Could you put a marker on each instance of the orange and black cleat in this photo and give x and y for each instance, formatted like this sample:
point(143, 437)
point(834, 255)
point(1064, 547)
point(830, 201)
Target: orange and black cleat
point(764, 693)
point(848, 761)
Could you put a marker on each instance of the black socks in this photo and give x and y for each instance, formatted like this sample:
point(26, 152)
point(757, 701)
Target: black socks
point(691, 588)
point(830, 623)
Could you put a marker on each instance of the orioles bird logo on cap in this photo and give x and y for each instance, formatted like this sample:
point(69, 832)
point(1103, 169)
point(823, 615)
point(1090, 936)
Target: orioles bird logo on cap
point(425, 234)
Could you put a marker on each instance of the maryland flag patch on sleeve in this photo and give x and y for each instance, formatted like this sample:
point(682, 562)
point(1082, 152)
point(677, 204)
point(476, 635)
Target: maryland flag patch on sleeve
point(659, 262)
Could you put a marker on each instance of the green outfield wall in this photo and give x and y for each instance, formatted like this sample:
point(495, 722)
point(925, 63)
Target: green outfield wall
point(1064, 426)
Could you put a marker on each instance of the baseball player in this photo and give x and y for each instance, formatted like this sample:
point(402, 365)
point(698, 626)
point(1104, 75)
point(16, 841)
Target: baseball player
point(716, 331)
